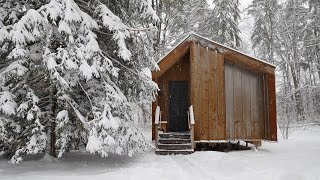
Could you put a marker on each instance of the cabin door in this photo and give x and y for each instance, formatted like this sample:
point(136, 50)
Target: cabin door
point(178, 106)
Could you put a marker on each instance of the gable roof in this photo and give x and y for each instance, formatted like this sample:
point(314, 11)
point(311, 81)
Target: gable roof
point(234, 55)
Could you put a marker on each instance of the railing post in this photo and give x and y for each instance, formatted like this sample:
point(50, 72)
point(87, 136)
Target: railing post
point(189, 125)
point(192, 122)
point(192, 136)
point(156, 123)
point(156, 137)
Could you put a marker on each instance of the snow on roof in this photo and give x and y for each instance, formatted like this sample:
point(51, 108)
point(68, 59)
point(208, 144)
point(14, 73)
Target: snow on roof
point(194, 35)
point(185, 38)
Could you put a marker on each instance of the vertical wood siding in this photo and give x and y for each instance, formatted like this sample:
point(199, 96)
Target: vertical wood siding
point(244, 103)
point(272, 110)
point(207, 93)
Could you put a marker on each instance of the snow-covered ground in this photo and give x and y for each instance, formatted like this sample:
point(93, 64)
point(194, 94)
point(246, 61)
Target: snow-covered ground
point(295, 159)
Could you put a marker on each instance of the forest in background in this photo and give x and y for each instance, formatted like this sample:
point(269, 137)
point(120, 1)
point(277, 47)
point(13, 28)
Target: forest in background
point(74, 74)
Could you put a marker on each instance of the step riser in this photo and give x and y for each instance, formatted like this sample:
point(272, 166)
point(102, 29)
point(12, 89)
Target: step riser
point(174, 147)
point(173, 153)
point(170, 141)
point(177, 136)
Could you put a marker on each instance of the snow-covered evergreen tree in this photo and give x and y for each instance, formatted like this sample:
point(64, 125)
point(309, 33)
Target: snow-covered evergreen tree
point(177, 20)
point(221, 23)
point(217, 20)
point(264, 30)
point(62, 71)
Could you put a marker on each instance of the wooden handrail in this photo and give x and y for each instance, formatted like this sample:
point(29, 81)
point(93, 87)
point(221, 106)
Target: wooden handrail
point(191, 115)
point(191, 125)
point(157, 118)
point(160, 119)
point(156, 123)
point(188, 119)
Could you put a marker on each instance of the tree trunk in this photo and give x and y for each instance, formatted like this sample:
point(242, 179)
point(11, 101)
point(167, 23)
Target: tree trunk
point(297, 94)
point(51, 142)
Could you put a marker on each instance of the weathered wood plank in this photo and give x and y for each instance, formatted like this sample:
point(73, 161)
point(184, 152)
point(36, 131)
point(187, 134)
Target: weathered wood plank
point(195, 87)
point(260, 124)
point(266, 108)
point(221, 98)
point(215, 78)
point(212, 96)
point(272, 106)
point(249, 120)
point(253, 105)
point(205, 103)
point(246, 103)
point(237, 102)
point(198, 90)
point(229, 100)
point(255, 108)
point(201, 94)
point(193, 57)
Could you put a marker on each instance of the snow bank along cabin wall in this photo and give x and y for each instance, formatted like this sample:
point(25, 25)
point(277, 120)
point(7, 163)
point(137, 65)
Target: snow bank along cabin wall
point(233, 94)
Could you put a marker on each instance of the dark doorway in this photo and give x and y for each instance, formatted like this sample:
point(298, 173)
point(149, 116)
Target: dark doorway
point(178, 106)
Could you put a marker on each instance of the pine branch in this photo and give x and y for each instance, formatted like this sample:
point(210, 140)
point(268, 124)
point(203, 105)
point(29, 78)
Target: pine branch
point(90, 7)
point(129, 69)
point(86, 95)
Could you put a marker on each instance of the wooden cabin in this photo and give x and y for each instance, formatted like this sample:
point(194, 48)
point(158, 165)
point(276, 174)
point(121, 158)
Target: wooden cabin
point(232, 95)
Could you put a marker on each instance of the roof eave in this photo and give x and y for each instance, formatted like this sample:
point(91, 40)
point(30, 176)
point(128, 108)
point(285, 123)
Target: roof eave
point(194, 36)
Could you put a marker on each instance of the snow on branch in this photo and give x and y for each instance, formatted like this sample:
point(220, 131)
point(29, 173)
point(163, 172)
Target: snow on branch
point(141, 29)
point(114, 24)
point(27, 29)
point(7, 103)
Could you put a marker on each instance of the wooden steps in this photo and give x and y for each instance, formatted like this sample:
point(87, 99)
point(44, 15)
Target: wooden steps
point(175, 135)
point(174, 152)
point(175, 146)
point(174, 143)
